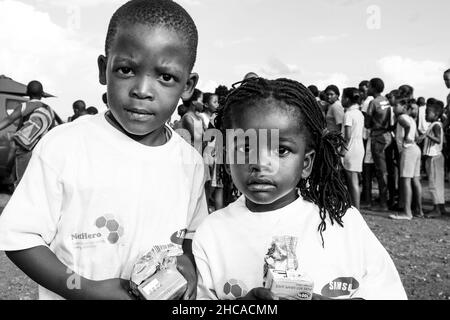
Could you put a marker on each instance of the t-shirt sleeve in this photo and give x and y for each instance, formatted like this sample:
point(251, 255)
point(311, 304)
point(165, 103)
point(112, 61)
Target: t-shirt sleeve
point(31, 216)
point(381, 280)
point(198, 208)
point(348, 120)
point(205, 284)
point(338, 114)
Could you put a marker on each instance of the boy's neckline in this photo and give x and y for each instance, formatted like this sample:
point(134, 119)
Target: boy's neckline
point(113, 122)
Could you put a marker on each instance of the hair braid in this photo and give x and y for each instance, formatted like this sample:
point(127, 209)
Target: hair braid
point(324, 187)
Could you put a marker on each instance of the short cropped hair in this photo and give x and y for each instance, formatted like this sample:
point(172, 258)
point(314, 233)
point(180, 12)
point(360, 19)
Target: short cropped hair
point(153, 13)
point(35, 89)
point(447, 71)
point(314, 90)
point(92, 110)
point(377, 84)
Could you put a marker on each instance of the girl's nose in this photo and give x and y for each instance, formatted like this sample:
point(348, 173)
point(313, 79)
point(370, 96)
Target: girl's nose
point(143, 88)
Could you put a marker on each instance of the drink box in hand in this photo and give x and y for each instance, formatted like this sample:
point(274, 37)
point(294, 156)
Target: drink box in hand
point(167, 284)
point(286, 285)
point(155, 275)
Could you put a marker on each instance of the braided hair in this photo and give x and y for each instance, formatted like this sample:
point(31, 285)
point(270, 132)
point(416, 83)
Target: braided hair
point(324, 187)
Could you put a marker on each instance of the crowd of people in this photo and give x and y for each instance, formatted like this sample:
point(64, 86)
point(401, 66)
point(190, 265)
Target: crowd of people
point(393, 137)
point(100, 194)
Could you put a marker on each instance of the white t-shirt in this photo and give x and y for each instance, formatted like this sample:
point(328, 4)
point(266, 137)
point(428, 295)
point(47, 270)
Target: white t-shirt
point(423, 123)
point(400, 132)
point(230, 245)
point(100, 200)
point(354, 156)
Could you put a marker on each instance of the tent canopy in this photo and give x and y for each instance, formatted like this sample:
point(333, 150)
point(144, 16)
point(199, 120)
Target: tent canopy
point(8, 85)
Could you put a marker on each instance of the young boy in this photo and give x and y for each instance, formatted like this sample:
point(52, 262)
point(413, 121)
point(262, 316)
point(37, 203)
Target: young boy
point(409, 162)
point(100, 193)
point(433, 143)
point(378, 120)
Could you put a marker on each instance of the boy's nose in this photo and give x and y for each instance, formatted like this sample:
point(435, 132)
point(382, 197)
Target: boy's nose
point(264, 161)
point(143, 89)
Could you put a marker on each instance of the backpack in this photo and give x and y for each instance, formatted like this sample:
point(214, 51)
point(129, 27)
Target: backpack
point(39, 122)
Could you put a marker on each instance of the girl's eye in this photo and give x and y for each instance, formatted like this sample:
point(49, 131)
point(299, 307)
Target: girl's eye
point(125, 71)
point(282, 151)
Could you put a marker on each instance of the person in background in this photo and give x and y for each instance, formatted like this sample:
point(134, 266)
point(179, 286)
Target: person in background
point(79, 110)
point(35, 91)
point(315, 91)
point(192, 121)
point(92, 110)
point(378, 120)
point(446, 123)
point(433, 147)
point(368, 164)
point(335, 113)
point(251, 75)
point(410, 157)
point(354, 146)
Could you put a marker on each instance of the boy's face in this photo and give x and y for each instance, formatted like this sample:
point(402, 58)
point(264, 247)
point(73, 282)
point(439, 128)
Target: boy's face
point(447, 79)
point(146, 73)
point(430, 114)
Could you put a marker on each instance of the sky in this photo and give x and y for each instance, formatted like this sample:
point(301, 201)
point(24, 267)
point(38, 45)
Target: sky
point(317, 42)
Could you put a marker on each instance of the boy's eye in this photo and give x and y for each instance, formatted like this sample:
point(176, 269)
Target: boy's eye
point(244, 149)
point(167, 77)
point(125, 71)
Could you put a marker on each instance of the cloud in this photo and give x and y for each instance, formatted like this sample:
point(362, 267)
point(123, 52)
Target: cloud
point(322, 80)
point(422, 75)
point(63, 62)
point(221, 44)
point(277, 68)
point(326, 39)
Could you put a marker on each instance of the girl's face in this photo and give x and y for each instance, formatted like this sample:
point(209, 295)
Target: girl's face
point(270, 182)
point(430, 115)
point(213, 103)
point(332, 97)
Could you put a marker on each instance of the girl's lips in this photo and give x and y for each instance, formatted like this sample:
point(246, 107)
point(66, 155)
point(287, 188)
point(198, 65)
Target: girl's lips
point(256, 187)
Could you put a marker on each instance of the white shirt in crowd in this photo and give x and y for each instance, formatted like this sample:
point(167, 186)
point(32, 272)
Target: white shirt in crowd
point(100, 200)
point(354, 155)
point(364, 108)
point(423, 123)
point(230, 245)
point(431, 148)
point(400, 132)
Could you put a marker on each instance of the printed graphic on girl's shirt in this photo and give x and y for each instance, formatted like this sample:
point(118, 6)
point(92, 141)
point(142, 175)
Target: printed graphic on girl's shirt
point(235, 289)
point(340, 287)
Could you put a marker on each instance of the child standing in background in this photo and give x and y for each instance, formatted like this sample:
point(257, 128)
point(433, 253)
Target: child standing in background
point(353, 136)
point(410, 156)
point(433, 143)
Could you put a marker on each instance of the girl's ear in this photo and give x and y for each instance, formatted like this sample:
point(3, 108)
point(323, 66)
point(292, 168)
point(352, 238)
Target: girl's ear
point(102, 63)
point(308, 163)
point(190, 86)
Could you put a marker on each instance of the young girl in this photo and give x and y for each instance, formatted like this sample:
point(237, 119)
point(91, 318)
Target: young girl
point(410, 155)
point(192, 121)
point(335, 113)
point(433, 143)
point(293, 189)
point(353, 135)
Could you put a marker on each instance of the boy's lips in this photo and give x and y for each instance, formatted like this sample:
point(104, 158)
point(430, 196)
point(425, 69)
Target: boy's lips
point(139, 114)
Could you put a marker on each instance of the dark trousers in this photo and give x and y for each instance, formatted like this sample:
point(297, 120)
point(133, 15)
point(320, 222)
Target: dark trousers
point(379, 145)
point(392, 159)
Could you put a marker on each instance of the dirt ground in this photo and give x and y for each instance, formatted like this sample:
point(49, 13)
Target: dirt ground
point(419, 248)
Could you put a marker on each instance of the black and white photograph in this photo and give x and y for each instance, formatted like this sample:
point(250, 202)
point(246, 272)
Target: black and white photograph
point(232, 151)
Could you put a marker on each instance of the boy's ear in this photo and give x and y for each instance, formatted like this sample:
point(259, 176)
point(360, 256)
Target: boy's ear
point(308, 163)
point(190, 86)
point(102, 62)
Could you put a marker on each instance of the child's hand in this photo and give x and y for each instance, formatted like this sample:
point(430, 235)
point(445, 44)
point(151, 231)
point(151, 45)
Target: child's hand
point(111, 289)
point(420, 138)
point(258, 294)
point(187, 269)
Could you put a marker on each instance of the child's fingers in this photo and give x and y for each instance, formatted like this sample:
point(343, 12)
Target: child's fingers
point(262, 294)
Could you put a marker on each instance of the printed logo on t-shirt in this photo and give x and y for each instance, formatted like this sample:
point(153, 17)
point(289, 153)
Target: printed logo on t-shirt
point(340, 287)
point(106, 229)
point(234, 289)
